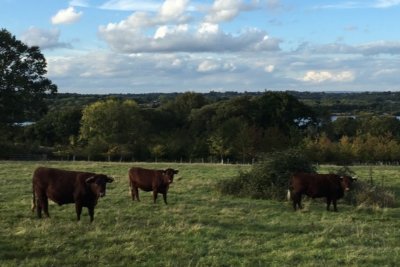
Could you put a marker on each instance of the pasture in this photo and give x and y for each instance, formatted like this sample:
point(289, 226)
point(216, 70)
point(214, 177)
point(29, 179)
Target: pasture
point(199, 227)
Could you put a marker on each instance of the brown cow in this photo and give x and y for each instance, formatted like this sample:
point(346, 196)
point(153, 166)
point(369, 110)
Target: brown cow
point(157, 181)
point(64, 187)
point(315, 185)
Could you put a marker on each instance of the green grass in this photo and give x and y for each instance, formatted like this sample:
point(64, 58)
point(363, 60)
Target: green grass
point(198, 227)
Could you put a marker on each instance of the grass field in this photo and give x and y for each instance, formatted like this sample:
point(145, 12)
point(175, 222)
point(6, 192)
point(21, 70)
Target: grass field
point(198, 227)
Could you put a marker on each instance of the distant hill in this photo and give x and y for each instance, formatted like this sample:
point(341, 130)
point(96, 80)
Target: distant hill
point(332, 102)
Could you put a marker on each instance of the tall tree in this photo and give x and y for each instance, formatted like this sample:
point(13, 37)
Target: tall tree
point(23, 84)
point(116, 124)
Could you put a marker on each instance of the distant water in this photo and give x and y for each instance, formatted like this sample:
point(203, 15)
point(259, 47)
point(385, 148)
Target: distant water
point(335, 117)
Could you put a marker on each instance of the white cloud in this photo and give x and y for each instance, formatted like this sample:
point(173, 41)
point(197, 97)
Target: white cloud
point(165, 30)
point(207, 27)
point(207, 66)
point(224, 10)
point(173, 9)
point(386, 3)
point(66, 16)
point(169, 31)
point(325, 76)
point(45, 39)
point(269, 68)
point(367, 49)
point(131, 5)
point(106, 72)
point(360, 4)
point(181, 39)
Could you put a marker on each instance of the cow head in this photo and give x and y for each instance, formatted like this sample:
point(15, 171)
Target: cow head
point(98, 183)
point(346, 182)
point(168, 175)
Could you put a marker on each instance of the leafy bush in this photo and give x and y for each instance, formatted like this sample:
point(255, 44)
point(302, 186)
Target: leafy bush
point(366, 194)
point(269, 178)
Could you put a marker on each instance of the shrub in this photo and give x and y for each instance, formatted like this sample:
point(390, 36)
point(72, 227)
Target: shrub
point(269, 178)
point(366, 194)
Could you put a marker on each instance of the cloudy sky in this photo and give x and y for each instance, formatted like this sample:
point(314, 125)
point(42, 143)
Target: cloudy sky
point(139, 46)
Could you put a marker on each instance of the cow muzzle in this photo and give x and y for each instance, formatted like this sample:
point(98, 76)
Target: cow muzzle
point(347, 189)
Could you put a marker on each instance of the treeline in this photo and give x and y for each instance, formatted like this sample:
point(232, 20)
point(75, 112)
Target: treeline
point(192, 127)
point(354, 103)
point(189, 127)
point(356, 139)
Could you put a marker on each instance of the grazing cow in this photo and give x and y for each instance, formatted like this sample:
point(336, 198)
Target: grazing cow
point(64, 187)
point(157, 181)
point(315, 185)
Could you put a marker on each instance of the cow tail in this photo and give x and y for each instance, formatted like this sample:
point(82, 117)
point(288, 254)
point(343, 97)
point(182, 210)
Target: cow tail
point(288, 195)
point(33, 199)
point(289, 191)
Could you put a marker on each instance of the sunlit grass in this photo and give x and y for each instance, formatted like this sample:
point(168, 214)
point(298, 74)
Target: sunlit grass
point(198, 227)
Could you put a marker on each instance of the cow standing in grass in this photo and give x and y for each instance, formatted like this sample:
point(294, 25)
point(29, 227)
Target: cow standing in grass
point(157, 181)
point(64, 187)
point(330, 186)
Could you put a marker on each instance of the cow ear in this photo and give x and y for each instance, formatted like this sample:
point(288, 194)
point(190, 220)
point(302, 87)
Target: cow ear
point(341, 177)
point(109, 180)
point(176, 171)
point(90, 180)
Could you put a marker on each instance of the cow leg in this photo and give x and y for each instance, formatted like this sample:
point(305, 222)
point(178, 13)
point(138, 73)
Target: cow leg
point(46, 207)
point(91, 213)
point(296, 201)
point(334, 205)
point(39, 208)
point(165, 197)
point(133, 193)
point(137, 193)
point(78, 209)
point(42, 203)
point(155, 195)
point(328, 203)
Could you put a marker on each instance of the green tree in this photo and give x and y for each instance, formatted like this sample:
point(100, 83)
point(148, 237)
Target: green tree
point(276, 109)
point(58, 127)
point(345, 126)
point(219, 146)
point(113, 125)
point(182, 106)
point(380, 125)
point(23, 84)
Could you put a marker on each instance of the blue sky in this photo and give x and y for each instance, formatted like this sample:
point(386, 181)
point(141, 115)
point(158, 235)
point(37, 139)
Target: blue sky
point(137, 46)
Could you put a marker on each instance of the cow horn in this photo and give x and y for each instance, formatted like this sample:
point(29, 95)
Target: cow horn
point(109, 179)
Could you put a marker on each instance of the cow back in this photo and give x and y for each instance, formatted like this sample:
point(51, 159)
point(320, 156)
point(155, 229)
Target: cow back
point(145, 179)
point(61, 186)
point(317, 185)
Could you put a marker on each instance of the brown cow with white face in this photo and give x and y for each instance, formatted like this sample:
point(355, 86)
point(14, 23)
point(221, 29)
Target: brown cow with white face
point(64, 187)
point(330, 186)
point(157, 181)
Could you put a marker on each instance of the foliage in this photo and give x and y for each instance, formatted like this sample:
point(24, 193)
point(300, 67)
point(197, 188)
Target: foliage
point(112, 125)
point(269, 178)
point(366, 193)
point(231, 127)
point(361, 148)
point(23, 85)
